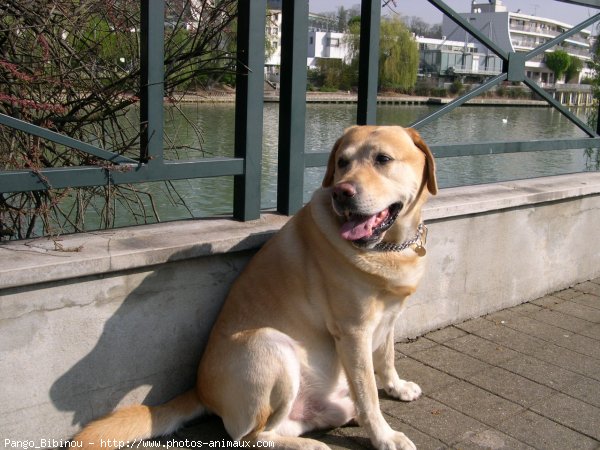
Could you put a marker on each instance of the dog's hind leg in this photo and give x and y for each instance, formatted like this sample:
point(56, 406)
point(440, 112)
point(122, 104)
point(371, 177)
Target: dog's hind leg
point(263, 390)
point(252, 383)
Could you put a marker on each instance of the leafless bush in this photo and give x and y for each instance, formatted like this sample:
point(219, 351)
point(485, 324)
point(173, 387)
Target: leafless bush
point(74, 68)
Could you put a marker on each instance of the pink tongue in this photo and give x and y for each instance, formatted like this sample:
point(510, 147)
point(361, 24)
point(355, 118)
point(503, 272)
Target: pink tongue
point(362, 226)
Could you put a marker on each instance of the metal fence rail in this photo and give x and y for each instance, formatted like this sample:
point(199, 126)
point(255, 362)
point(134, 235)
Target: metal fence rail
point(513, 70)
point(245, 166)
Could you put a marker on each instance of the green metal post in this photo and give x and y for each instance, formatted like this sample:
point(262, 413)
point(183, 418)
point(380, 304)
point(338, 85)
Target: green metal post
point(152, 80)
point(292, 106)
point(249, 107)
point(368, 65)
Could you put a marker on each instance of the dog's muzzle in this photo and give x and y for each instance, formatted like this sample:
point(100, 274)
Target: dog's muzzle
point(363, 230)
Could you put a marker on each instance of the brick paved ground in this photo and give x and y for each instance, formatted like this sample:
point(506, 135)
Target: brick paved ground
point(525, 377)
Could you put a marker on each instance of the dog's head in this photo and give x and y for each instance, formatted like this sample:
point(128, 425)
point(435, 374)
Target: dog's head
point(376, 174)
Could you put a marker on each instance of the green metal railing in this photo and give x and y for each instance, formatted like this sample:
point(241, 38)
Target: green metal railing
point(513, 70)
point(245, 166)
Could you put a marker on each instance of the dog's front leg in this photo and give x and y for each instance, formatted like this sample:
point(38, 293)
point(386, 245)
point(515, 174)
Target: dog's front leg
point(355, 352)
point(385, 370)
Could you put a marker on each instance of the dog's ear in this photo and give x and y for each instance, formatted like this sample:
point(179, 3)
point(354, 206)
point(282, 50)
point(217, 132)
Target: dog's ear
point(429, 162)
point(330, 172)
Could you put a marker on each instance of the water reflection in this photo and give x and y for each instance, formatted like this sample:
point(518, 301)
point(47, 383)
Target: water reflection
point(208, 130)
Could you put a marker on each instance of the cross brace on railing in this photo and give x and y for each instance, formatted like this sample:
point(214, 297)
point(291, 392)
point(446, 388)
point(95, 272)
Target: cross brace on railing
point(514, 67)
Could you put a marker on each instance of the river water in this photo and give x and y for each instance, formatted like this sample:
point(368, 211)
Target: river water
point(208, 130)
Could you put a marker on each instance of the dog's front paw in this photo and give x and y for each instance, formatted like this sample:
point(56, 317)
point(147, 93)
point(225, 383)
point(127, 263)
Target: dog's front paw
point(396, 441)
point(406, 391)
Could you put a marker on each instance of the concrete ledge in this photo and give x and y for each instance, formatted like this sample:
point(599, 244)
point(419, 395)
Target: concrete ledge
point(122, 316)
point(467, 200)
point(71, 256)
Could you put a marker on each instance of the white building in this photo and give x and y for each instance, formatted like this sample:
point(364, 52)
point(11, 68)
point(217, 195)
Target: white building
point(518, 32)
point(273, 35)
point(325, 44)
point(324, 41)
point(443, 57)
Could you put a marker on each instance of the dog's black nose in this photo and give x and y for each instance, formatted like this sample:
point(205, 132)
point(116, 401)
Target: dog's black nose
point(344, 191)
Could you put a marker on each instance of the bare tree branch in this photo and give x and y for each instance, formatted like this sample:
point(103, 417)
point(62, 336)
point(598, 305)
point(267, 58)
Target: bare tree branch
point(73, 67)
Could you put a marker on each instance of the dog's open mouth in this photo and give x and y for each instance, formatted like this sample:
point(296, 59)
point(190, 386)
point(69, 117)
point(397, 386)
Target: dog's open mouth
point(362, 230)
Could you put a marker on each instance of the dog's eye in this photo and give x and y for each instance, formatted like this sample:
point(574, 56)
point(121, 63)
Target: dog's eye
point(382, 159)
point(342, 162)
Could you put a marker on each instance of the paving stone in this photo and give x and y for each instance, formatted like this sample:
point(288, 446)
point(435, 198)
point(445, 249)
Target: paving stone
point(561, 320)
point(422, 440)
point(586, 389)
point(541, 371)
point(473, 325)
point(558, 336)
point(408, 348)
point(572, 413)
point(570, 360)
point(354, 435)
point(578, 310)
point(580, 344)
point(592, 331)
point(436, 420)
point(526, 309)
point(445, 334)
point(481, 349)
point(491, 439)
point(477, 403)
point(341, 439)
point(511, 386)
point(429, 379)
point(545, 434)
point(500, 317)
point(510, 338)
point(593, 301)
point(357, 438)
point(567, 294)
point(588, 288)
point(548, 301)
point(450, 361)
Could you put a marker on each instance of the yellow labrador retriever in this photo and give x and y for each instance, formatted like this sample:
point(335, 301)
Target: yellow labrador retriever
point(308, 328)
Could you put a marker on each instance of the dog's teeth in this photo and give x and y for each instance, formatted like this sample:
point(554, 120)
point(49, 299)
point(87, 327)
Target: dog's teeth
point(347, 215)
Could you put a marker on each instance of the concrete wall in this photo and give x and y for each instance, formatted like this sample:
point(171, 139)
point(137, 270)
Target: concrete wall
point(498, 245)
point(124, 318)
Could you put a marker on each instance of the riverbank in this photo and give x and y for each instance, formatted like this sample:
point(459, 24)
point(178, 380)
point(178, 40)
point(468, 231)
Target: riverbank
point(350, 98)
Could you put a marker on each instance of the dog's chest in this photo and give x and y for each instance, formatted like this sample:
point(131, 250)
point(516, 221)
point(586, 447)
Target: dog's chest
point(385, 324)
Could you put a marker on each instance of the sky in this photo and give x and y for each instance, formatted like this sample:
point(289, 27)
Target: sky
point(551, 9)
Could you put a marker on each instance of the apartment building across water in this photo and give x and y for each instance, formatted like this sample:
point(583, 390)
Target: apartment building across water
point(519, 32)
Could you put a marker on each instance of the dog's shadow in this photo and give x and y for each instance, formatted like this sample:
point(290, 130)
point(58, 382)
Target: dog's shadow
point(151, 343)
point(210, 430)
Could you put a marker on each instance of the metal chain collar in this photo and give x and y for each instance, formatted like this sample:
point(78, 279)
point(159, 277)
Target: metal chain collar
point(419, 239)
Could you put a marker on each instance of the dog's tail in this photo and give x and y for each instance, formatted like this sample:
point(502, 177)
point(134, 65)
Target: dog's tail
point(130, 425)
